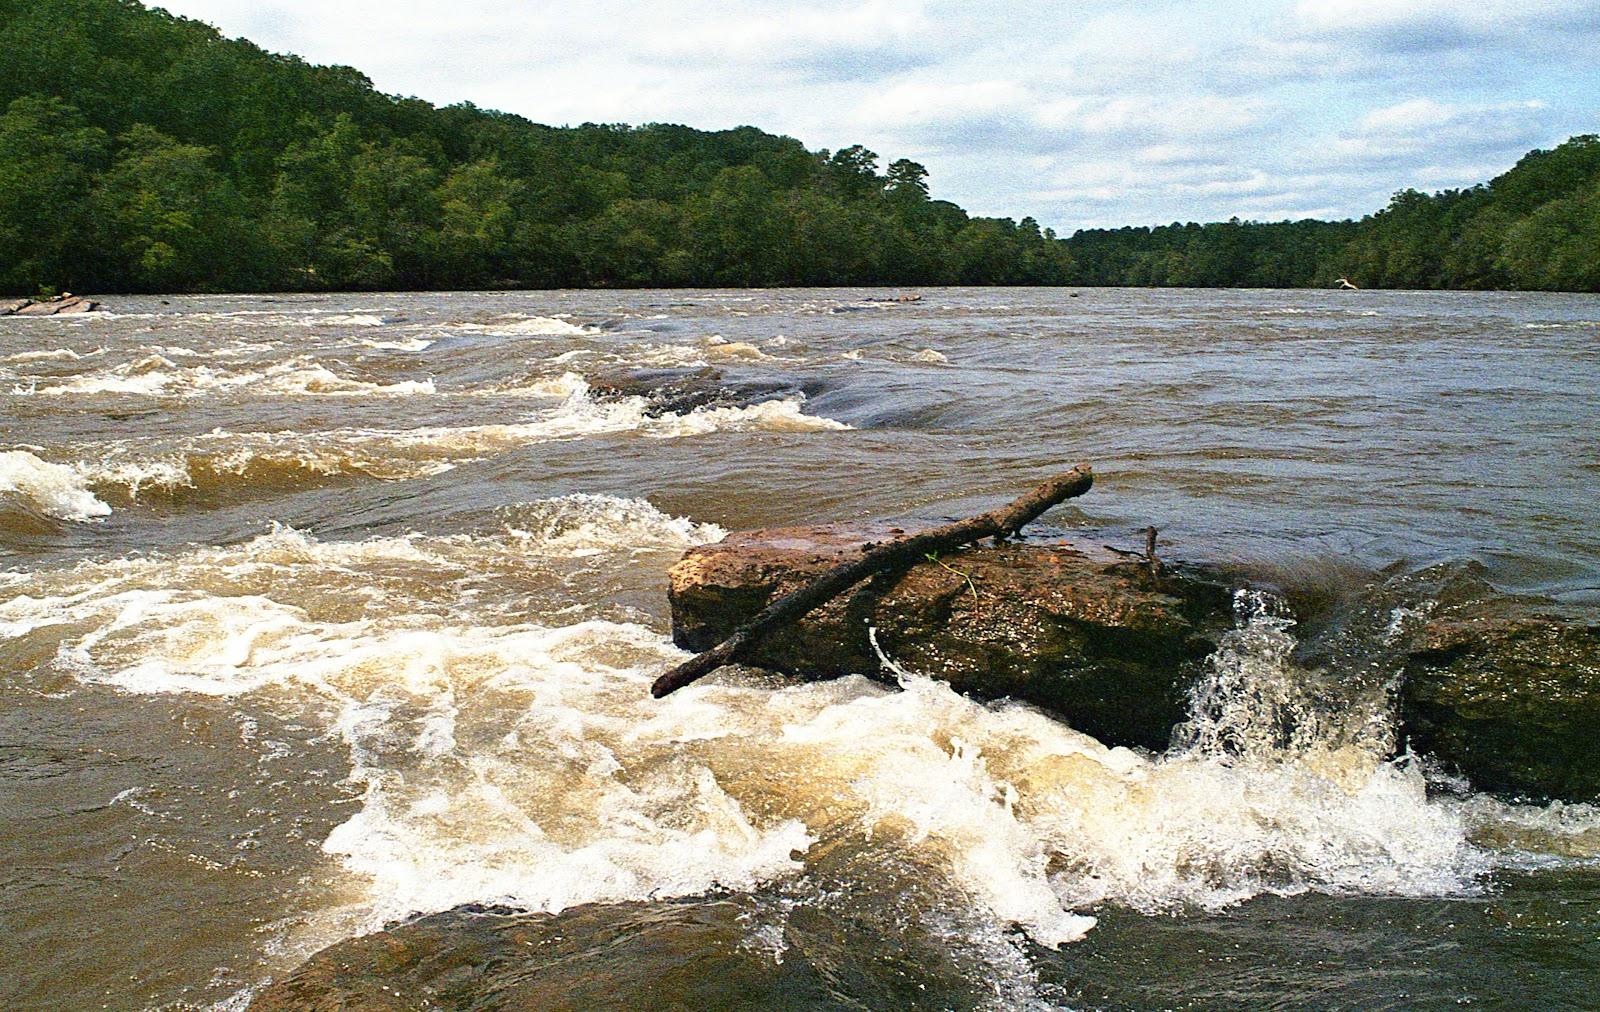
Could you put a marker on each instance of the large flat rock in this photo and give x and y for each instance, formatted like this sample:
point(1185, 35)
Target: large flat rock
point(1076, 630)
point(61, 305)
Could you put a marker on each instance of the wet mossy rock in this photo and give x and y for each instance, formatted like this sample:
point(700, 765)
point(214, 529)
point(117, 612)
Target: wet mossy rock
point(753, 950)
point(1085, 634)
point(1508, 694)
point(669, 954)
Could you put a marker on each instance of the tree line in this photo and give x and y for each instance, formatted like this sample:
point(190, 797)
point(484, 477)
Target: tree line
point(1537, 226)
point(140, 151)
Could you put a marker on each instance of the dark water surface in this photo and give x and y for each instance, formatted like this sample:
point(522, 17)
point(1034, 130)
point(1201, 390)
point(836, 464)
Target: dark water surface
point(321, 612)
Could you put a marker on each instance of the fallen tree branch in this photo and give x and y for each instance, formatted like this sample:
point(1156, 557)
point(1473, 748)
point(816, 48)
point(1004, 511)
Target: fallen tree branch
point(875, 558)
point(1151, 562)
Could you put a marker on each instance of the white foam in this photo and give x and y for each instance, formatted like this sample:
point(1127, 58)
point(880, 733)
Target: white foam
point(565, 385)
point(580, 415)
point(713, 350)
point(305, 376)
point(412, 344)
point(514, 325)
point(156, 375)
point(397, 454)
point(678, 833)
point(240, 349)
point(442, 822)
point(720, 348)
point(783, 415)
point(578, 525)
point(147, 376)
point(345, 320)
point(54, 489)
point(1532, 836)
point(51, 355)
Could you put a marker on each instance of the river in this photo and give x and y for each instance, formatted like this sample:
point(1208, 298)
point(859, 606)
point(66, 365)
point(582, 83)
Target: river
point(321, 612)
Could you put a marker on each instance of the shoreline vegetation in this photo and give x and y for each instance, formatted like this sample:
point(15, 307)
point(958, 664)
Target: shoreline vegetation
point(142, 152)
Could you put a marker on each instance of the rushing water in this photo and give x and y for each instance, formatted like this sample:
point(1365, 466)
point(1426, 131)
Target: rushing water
point(321, 612)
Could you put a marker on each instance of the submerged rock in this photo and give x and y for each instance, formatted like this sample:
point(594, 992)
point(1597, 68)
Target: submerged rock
point(1087, 635)
point(738, 950)
point(588, 957)
point(679, 391)
point(1507, 692)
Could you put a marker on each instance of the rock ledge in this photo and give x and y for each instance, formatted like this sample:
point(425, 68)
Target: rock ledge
point(1076, 630)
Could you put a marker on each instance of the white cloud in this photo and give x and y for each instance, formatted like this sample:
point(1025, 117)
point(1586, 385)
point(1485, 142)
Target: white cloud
point(931, 101)
point(781, 35)
point(1406, 117)
point(1425, 114)
point(1340, 15)
point(1434, 128)
point(1168, 117)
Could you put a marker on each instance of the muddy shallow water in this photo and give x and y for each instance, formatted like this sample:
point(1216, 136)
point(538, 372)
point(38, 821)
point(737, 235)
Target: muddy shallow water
point(317, 613)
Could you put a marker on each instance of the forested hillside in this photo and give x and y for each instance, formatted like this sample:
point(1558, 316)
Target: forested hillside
point(144, 152)
point(1537, 227)
point(139, 151)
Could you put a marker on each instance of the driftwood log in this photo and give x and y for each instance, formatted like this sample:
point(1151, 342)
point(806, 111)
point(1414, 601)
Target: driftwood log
point(876, 558)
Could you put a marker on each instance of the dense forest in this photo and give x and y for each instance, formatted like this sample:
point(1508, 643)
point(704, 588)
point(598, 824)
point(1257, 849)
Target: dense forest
point(1535, 227)
point(144, 152)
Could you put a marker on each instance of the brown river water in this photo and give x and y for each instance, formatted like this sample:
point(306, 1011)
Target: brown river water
point(319, 613)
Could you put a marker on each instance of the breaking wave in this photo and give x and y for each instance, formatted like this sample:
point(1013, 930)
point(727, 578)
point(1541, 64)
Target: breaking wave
point(714, 350)
point(514, 325)
point(579, 525)
point(345, 320)
point(31, 487)
point(400, 344)
point(219, 460)
point(156, 375)
point(52, 355)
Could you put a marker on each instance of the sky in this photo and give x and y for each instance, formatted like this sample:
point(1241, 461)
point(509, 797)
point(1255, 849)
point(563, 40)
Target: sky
point(1086, 114)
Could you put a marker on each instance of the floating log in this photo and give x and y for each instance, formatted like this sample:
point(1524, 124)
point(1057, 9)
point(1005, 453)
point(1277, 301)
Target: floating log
point(876, 558)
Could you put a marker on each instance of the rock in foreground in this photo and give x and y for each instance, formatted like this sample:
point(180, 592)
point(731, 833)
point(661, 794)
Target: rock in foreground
point(674, 954)
point(1087, 635)
point(723, 951)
